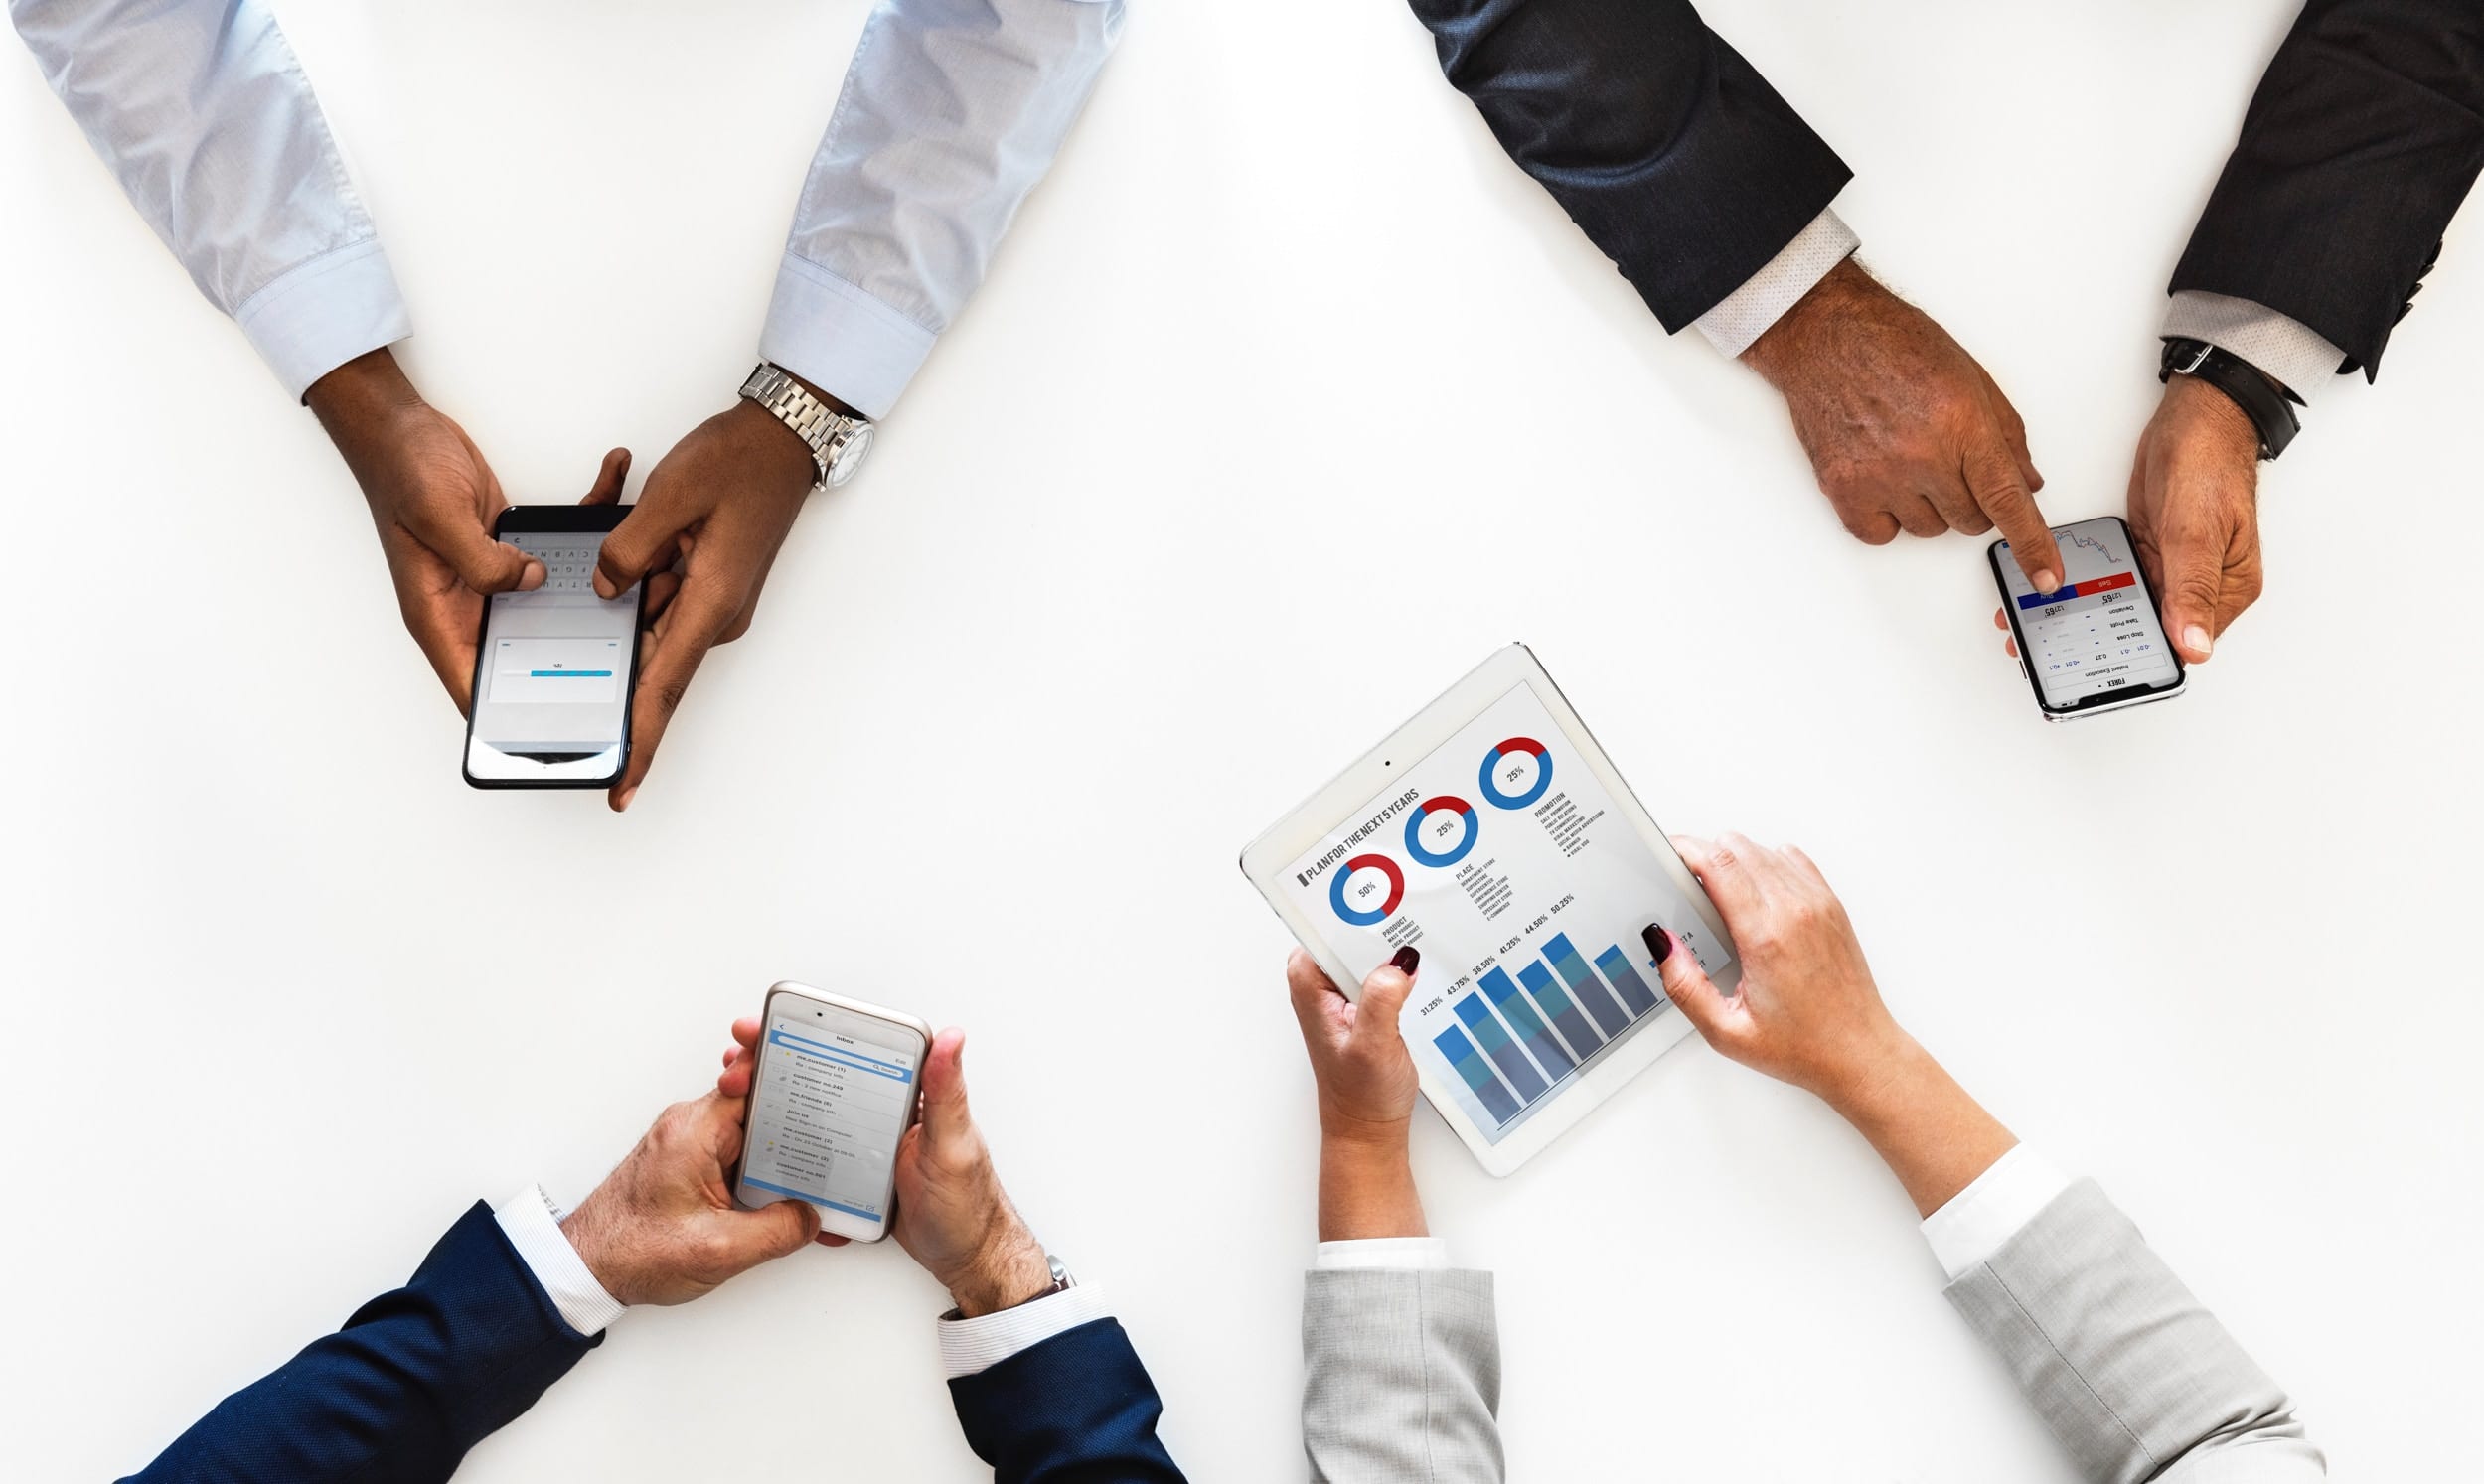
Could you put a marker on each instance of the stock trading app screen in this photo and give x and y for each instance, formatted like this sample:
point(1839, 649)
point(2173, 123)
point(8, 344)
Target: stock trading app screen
point(2098, 632)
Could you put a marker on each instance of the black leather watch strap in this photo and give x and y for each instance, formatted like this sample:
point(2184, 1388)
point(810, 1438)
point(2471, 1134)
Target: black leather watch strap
point(2263, 400)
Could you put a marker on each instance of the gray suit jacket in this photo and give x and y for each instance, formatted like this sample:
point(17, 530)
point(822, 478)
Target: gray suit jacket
point(2130, 1372)
point(1401, 1377)
point(2139, 1382)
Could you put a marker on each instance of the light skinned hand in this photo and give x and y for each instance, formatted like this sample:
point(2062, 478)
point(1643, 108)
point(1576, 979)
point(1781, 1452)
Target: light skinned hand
point(717, 507)
point(1903, 429)
point(1367, 1087)
point(434, 500)
point(1809, 1013)
point(952, 1216)
point(663, 1228)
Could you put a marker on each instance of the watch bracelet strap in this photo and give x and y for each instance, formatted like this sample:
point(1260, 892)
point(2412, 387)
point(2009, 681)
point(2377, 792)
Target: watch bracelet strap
point(803, 415)
point(2268, 405)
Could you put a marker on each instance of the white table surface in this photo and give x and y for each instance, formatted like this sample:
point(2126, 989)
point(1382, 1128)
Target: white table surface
point(1290, 398)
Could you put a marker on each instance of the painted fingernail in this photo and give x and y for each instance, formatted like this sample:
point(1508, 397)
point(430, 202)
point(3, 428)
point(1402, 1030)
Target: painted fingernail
point(1405, 960)
point(1659, 942)
point(2047, 582)
point(2197, 639)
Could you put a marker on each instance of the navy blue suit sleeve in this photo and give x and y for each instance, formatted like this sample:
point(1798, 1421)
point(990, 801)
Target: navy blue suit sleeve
point(413, 1380)
point(1077, 1409)
point(1670, 151)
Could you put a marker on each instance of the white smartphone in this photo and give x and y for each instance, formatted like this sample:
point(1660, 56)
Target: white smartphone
point(2094, 643)
point(832, 1088)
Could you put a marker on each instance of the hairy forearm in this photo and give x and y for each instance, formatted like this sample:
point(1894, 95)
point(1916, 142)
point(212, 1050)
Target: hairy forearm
point(1367, 1187)
point(1931, 1134)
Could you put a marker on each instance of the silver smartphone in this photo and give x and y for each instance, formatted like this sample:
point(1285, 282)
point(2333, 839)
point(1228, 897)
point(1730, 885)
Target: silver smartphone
point(834, 1085)
point(2095, 644)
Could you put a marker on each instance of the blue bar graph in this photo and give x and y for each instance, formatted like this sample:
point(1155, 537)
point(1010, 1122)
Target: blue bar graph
point(1610, 1018)
point(1480, 1079)
point(1530, 1026)
point(1565, 1016)
point(1635, 991)
point(1504, 1052)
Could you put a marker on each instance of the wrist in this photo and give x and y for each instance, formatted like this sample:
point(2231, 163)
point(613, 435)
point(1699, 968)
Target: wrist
point(2216, 417)
point(1009, 1271)
point(363, 397)
point(1887, 1074)
point(777, 452)
point(590, 1236)
point(1782, 347)
point(1367, 1188)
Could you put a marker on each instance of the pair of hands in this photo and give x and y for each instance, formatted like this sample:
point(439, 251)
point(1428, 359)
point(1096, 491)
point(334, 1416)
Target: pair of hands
point(1808, 1012)
point(701, 535)
point(1908, 433)
point(663, 1228)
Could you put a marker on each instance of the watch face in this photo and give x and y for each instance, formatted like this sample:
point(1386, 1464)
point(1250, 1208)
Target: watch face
point(851, 449)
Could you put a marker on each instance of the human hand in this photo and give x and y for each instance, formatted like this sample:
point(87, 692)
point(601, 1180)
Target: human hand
point(2195, 512)
point(952, 1217)
point(1807, 1011)
point(663, 1227)
point(1367, 1087)
point(719, 504)
point(1903, 427)
point(433, 499)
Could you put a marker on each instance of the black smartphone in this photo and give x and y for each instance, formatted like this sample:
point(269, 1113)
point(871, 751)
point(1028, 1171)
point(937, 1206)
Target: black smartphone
point(554, 668)
point(2095, 644)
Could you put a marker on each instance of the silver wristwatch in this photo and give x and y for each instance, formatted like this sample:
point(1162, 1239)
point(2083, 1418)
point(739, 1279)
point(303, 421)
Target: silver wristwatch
point(837, 443)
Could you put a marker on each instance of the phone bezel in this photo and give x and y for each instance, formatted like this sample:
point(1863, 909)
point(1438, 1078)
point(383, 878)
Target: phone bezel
point(2103, 700)
point(836, 1223)
point(555, 519)
point(1265, 859)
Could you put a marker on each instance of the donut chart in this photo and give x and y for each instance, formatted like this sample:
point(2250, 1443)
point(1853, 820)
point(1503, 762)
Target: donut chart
point(1445, 803)
point(1543, 773)
point(1388, 904)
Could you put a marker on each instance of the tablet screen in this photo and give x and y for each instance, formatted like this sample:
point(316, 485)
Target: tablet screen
point(1502, 859)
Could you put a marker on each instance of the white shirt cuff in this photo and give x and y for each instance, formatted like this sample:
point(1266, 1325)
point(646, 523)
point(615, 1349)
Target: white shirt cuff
point(528, 1220)
point(1980, 1219)
point(1743, 315)
point(1397, 1253)
point(314, 318)
point(2287, 350)
point(839, 339)
point(968, 1347)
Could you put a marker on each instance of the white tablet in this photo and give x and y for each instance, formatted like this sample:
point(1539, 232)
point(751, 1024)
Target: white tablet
point(1492, 835)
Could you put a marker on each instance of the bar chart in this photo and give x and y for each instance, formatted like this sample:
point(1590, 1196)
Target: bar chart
point(1516, 1040)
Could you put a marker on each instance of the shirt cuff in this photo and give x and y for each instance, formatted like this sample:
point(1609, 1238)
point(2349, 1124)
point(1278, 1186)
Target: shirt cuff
point(839, 339)
point(2289, 352)
point(1398, 1253)
point(1743, 315)
point(314, 318)
point(968, 1347)
point(528, 1220)
point(1978, 1219)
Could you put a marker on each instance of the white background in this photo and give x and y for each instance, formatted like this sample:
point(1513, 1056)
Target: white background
point(1289, 399)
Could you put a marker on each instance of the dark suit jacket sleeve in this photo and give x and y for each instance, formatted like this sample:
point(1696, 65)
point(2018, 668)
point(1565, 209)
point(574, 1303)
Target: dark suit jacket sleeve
point(2365, 135)
point(413, 1380)
point(1667, 149)
point(1077, 1409)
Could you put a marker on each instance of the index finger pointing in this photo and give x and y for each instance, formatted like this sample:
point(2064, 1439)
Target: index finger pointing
point(1993, 475)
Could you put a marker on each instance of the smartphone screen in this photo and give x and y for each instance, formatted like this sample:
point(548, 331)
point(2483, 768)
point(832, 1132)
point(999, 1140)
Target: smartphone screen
point(554, 672)
point(2095, 642)
point(832, 1094)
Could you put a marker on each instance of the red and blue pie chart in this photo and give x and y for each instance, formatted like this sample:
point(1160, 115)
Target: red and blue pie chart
point(1491, 765)
point(1364, 888)
point(1436, 820)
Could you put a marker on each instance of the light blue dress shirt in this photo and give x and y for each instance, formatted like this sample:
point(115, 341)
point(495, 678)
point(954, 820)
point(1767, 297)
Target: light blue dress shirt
point(952, 110)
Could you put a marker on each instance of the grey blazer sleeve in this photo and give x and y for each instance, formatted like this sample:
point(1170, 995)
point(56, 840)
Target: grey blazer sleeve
point(1401, 1377)
point(2130, 1372)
